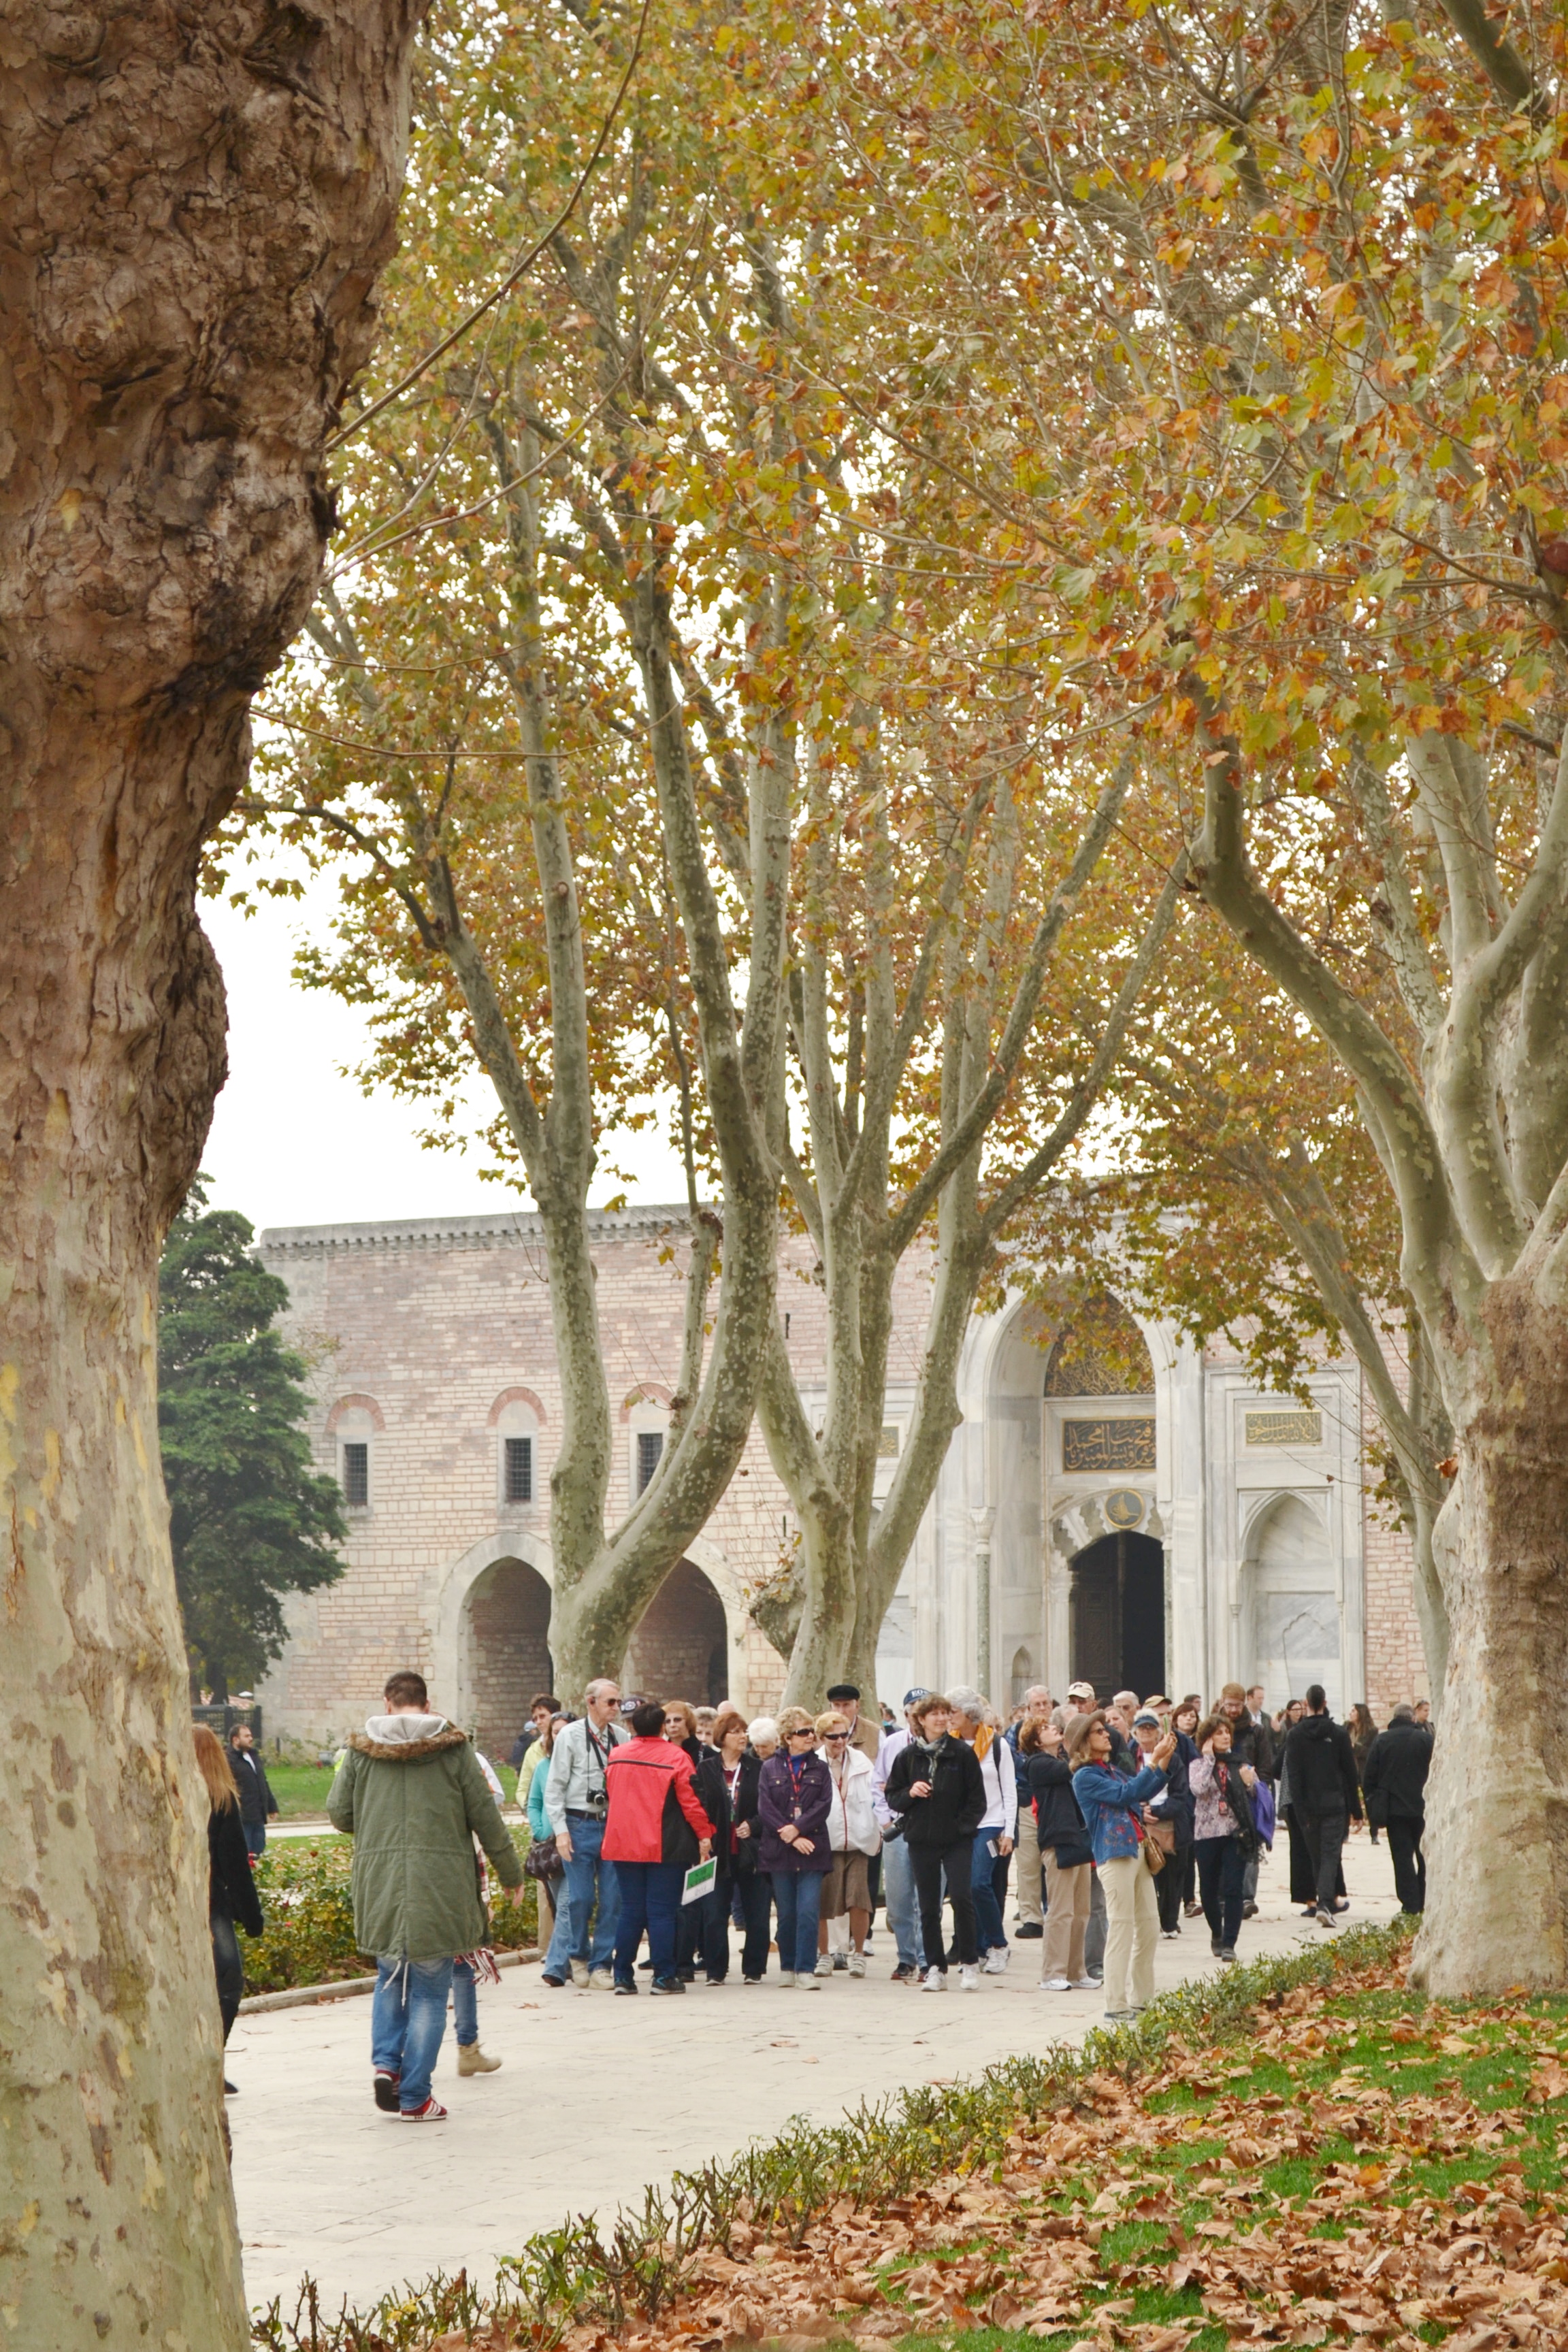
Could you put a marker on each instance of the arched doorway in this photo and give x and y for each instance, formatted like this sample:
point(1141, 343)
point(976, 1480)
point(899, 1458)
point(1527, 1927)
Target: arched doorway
point(681, 1645)
point(507, 1628)
point(1118, 1614)
point(1290, 1620)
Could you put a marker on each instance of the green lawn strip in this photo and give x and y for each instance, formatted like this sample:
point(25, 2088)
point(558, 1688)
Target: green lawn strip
point(302, 1789)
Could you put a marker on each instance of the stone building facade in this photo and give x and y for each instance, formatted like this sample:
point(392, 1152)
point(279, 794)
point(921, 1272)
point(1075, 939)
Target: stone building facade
point(1132, 1510)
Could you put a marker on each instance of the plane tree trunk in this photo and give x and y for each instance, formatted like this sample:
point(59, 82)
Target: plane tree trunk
point(1498, 1786)
point(194, 212)
point(1474, 1145)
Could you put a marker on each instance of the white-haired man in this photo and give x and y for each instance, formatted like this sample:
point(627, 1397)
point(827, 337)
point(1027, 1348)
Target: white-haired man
point(575, 1803)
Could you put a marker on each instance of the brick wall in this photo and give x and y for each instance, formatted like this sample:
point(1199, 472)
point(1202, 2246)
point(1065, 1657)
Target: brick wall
point(432, 1324)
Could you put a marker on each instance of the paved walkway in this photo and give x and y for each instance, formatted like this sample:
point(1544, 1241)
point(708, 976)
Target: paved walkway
point(597, 2098)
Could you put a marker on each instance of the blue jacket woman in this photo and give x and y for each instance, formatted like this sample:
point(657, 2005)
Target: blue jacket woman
point(1112, 1803)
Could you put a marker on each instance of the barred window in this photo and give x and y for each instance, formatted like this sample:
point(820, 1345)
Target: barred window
point(356, 1474)
point(520, 1469)
point(651, 1445)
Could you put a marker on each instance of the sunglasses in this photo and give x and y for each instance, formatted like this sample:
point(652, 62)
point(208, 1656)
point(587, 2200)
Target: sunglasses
point(800, 1735)
point(836, 1735)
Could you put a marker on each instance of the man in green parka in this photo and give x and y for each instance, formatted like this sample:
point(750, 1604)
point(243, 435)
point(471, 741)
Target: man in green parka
point(412, 1795)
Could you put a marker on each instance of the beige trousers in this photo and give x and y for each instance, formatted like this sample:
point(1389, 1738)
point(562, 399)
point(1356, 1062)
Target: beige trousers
point(1068, 1894)
point(1133, 1930)
point(1027, 1865)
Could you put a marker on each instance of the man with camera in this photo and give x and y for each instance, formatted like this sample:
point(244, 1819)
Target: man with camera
point(574, 1806)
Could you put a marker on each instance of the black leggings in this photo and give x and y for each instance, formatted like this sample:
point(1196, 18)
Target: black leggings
point(756, 1892)
point(1169, 1885)
point(928, 1863)
point(228, 1967)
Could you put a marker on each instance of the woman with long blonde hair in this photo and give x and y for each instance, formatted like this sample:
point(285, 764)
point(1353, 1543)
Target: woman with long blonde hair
point(231, 1890)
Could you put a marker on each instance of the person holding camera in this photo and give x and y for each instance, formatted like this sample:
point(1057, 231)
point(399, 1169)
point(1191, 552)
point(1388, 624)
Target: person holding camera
point(1111, 1801)
point(574, 1804)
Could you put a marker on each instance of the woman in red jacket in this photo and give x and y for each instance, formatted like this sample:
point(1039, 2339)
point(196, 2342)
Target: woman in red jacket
point(655, 1830)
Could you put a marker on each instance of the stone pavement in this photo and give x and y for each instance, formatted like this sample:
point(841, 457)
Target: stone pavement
point(595, 2098)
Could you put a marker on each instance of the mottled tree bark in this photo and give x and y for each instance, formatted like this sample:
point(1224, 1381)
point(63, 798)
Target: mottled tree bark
point(195, 206)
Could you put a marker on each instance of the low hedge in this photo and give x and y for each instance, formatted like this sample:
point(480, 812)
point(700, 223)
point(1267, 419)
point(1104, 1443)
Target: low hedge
point(634, 2266)
point(310, 1940)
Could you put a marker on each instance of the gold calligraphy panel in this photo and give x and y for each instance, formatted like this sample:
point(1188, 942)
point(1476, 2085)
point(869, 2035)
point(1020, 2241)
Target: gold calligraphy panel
point(1111, 1445)
point(1298, 1428)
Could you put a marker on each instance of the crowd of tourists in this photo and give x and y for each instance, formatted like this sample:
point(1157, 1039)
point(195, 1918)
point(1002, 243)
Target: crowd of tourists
point(684, 1829)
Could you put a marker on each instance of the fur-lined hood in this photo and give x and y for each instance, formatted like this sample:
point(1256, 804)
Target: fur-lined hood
point(404, 1739)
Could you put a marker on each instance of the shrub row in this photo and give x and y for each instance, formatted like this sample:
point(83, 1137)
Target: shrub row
point(603, 2275)
point(304, 1889)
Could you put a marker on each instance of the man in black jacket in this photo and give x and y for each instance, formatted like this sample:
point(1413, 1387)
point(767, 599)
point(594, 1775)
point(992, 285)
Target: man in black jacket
point(1395, 1779)
point(1324, 1791)
point(257, 1802)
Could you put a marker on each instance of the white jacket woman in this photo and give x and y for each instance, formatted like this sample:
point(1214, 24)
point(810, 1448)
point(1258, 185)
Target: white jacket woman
point(851, 1820)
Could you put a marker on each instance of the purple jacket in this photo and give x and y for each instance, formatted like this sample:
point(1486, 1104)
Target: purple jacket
point(777, 1804)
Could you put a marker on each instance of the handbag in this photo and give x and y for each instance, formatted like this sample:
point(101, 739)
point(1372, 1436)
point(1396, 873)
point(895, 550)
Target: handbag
point(544, 1859)
point(1154, 1856)
point(1160, 1833)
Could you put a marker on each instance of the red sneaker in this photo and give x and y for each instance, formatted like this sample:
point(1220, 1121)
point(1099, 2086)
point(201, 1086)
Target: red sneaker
point(432, 2112)
point(386, 2088)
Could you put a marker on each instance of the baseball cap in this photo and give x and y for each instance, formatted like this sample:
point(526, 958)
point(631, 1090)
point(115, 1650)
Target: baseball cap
point(1146, 1715)
point(919, 1691)
point(1081, 1690)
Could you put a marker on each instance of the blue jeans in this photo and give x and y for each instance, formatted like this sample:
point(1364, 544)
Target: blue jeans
point(465, 2005)
point(989, 1932)
point(903, 1912)
point(648, 1896)
point(254, 1837)
point(586, 1877)
point(407, 2018)
point(798, 1894)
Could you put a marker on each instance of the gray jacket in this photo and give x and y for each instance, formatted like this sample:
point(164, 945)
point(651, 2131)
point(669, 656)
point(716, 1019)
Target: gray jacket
point(575, 1770)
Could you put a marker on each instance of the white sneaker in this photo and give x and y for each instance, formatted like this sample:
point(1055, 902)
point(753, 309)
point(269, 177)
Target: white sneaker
point(825, 1964)
point(602, 1979)
point(1055, 1984)
point(1085, 1984)
point(857, 1964)
point(810, 1984)
point(968, 1979)
point(578, 1972)
point(936, 1981)
point(996, 1960)
point(786, 1977)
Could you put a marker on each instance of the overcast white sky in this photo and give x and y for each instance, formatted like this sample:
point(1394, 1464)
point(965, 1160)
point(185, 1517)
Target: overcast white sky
point(295, 1142)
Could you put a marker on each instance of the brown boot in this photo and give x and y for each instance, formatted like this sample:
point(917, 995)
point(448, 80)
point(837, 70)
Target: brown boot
point(471, 2060)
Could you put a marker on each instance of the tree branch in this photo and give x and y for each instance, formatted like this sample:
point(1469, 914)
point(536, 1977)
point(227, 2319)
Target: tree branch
point(973, 1117)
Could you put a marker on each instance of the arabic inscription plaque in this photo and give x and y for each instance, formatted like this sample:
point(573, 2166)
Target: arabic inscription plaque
point(1119, 1446)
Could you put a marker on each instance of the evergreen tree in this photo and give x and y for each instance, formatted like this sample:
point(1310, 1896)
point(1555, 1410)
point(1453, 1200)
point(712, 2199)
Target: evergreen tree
point(251, 1520)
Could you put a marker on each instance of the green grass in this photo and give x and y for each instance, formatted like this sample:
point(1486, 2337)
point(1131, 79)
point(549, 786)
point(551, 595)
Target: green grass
point(302, 1789)
point(299, 1788)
